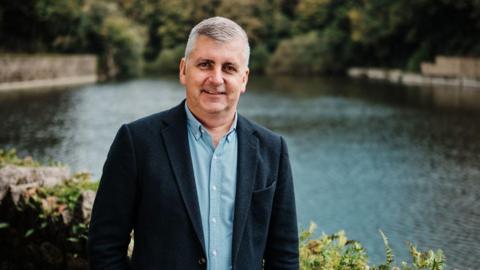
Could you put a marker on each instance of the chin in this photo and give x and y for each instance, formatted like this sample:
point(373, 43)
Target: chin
point(212, 110)
point(214, 107)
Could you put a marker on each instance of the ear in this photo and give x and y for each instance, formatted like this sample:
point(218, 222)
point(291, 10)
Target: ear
point(182, 71)
point(245, 80)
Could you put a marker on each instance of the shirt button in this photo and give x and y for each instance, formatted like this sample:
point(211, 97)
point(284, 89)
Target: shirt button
point(201, 261)
point(214, 220)
point(214, 253)
point(214, 187)
point(214, 156)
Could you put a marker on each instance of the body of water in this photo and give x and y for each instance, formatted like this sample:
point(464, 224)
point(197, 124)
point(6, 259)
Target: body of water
point(365, 156)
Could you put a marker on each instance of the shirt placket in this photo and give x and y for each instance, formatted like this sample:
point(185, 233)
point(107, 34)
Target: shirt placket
point(214, 211)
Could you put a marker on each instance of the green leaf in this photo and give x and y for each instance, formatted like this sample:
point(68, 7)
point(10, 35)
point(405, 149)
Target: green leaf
point(72, 239)
point(29, 232)
point(4, 225)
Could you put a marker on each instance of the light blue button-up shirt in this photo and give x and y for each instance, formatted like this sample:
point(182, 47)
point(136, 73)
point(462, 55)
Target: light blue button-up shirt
point(215, 170)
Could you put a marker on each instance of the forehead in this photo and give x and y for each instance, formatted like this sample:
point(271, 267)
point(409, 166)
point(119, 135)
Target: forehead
point(219, 51)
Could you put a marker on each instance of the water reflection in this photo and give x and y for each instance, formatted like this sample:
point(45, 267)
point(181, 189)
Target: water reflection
point(439, 97)
point(365, 156)
point(33, 121)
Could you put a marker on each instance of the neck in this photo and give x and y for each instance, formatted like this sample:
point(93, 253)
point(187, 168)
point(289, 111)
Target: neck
point(217, 125)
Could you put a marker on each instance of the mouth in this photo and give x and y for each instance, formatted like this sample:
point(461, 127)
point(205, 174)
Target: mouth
point(212, 92)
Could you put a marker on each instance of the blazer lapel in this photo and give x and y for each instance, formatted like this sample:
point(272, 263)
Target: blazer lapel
point(246, 171)
point(176, 142)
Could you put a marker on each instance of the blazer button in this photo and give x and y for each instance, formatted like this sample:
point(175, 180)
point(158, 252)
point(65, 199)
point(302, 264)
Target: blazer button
point(201, 261)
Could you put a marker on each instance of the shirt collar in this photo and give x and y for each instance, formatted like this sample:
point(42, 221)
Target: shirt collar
point(198, 129)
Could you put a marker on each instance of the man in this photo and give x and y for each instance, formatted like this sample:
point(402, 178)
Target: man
point(201, 186)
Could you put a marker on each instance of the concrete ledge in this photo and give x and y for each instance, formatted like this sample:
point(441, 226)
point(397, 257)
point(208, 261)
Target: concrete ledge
point(408, 78)
point(48, 83)
point(25, 71)
point(448, 66)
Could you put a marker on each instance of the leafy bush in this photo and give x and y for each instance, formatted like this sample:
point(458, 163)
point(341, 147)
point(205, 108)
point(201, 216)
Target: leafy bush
point(337, 252)
point(259, 59)
point(419, 56)
point(311, 53)
point(124, 45)
point(168, 61)
point(298, 55)
point(10, 157)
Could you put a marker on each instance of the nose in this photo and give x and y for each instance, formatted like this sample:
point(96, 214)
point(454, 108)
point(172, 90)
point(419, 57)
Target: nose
point(216, 77)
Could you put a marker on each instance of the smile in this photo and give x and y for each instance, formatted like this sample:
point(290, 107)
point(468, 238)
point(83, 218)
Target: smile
point(212, 92)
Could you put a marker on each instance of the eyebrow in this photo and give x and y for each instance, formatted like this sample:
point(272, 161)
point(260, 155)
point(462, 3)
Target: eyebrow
point(203, 60)
point(228, 63)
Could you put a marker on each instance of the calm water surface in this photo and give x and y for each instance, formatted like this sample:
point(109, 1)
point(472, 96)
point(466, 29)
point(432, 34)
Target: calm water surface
point(365, 156)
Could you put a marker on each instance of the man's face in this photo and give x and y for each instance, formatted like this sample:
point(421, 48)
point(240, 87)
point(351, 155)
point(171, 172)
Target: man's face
point(214, 75)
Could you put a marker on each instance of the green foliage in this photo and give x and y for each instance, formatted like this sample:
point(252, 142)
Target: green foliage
point(337, 252)
point(259, 58)
point(167, 62)
point(330, 252)
point(420, 55)
point(52, 204)
point(313, 15)
point(175, 23)
point(300, 54)
point(389, 257)
point(69, 191)
point(67, 36)
point(10, 157)
point(311, 53)
point(387, 33)
point(425, 260)
point(124, 46)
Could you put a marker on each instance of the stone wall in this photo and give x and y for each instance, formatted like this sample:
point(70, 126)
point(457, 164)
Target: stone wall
point(452, 67)
point(40, 231)
point(409, 78)
point(30, 71)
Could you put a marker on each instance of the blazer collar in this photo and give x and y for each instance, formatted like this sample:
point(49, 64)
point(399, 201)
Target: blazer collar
point(175, 137)
point(246, 171)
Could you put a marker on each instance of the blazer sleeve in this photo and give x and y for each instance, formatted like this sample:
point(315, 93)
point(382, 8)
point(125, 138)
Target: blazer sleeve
point(114, 206)
point(282, 244)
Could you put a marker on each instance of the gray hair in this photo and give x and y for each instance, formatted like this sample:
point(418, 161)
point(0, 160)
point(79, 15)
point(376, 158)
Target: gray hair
point(220, 29)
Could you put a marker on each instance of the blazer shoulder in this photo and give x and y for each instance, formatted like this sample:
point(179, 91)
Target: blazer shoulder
point(264, 134)
point(157, 120)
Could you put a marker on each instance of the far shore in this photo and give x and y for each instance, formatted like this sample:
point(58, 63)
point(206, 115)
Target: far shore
point(409, 78)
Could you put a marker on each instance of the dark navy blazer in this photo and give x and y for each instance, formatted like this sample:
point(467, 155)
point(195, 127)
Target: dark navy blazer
point(148, 185)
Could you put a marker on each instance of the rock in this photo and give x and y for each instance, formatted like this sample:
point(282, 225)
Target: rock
point(83, 209)
point(66, 214)
point(12, 176)
point(17, 191)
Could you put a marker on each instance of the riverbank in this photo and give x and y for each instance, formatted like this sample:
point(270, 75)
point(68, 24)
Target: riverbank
point(409, 78)
point(444, 71)
point(23, 71)
point(45, 212)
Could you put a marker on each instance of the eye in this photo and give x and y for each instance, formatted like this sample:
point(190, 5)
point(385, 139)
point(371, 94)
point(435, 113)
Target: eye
point(203, 65)
point(230, 69)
